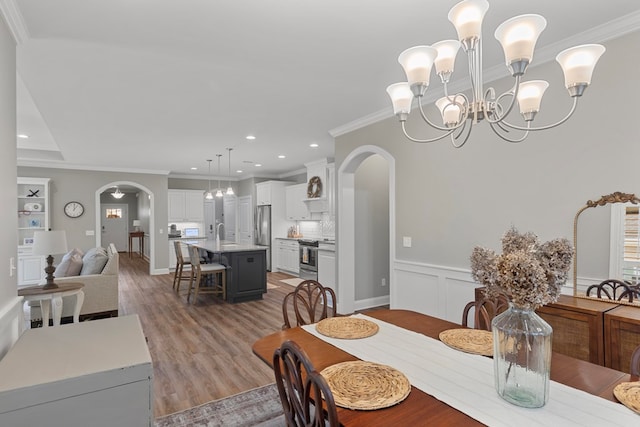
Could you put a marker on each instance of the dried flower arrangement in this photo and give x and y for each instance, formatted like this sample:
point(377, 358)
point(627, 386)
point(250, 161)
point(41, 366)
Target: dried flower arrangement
point(529, 273)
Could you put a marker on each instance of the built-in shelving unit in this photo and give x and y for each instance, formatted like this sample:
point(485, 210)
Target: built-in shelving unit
point(33, 215)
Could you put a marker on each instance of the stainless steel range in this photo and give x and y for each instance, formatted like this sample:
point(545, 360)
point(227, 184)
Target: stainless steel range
point(308, 259)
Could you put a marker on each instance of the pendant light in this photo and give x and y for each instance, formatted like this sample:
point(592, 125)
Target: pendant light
point(209, 195)
point(219, 191)
point(117, 194)
point(229, 189)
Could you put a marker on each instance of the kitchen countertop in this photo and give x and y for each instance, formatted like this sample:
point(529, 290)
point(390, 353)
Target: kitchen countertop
point(210, 246)
point(188, 238)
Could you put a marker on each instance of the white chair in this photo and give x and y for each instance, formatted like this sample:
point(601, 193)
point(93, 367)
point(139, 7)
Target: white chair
point(183, 266)
point(201, 271)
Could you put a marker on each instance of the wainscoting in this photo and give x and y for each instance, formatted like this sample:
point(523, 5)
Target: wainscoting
point(11, 324)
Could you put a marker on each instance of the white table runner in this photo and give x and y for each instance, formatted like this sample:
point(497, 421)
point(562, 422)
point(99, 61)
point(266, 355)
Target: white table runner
point(465, 382)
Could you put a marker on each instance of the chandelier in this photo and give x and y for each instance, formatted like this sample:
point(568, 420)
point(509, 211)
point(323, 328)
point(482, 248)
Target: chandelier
point(459, 113)
point(117, 194)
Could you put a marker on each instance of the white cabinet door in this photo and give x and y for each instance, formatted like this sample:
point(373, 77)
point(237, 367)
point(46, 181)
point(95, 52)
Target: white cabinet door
point(194, 206)
point(263, 194)
point(297, 209)
point(327, 269)
point(245, 220)
point(31, 269)
point(229, 209)
point(177, 205)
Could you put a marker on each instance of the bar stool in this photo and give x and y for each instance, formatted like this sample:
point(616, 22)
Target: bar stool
point(199, 270)
point(183, 266)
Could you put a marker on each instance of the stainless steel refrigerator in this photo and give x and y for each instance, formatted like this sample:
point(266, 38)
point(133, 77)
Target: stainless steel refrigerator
point(263, 230)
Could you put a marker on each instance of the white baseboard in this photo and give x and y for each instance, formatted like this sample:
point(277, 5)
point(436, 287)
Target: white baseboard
point(159, 271)
point(371, 302)
point(11, 324)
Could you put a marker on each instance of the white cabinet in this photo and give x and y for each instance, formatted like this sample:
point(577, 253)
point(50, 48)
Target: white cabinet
point(296, 207)
point(186, 205)
point(96, 373)
point(327, 266)
point(263, 193)
point(33, 215)
point(287, 255)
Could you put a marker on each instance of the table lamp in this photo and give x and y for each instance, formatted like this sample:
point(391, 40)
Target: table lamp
point(49, 243)
point(136, 224)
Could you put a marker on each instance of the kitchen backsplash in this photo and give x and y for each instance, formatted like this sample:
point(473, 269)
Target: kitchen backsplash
point(324, 229)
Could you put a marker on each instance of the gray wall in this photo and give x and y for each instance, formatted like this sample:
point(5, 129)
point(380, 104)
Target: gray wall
point(372, 228)
point(82, 185)
point(450, 200)
point(8, 202)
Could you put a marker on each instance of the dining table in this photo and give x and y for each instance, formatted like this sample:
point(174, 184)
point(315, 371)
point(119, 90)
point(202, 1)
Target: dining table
point(420, 407)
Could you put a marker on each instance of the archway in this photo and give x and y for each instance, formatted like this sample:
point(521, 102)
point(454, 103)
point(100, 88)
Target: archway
point(346, 223)
point(99, 191)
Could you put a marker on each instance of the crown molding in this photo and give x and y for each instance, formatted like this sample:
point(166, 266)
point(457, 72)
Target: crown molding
point(15, 22)
point(55, 165)
point(602, 33)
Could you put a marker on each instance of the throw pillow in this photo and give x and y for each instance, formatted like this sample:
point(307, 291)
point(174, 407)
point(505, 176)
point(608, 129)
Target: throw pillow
point(93, 261)
point(71, 264)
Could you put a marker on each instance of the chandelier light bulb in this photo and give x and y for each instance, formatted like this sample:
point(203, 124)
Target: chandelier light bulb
point(467, 17)
point(446, 58)
point(450, 111)
point(529, 97)
point(518, 37)
point(417, 62)
point(578, 63)
point(401, 98)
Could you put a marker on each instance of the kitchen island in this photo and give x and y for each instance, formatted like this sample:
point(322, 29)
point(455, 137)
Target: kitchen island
point(246, 268)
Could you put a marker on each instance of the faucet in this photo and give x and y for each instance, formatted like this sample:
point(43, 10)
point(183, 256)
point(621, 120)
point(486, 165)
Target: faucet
point(218, 234)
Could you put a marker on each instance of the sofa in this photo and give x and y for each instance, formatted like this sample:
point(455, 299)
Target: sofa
point(100, 288)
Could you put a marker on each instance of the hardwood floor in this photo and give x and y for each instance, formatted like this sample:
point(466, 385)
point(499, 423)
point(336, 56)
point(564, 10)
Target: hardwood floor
point(200, 352)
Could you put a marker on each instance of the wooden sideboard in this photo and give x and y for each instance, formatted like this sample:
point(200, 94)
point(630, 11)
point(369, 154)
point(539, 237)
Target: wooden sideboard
point(597, 331)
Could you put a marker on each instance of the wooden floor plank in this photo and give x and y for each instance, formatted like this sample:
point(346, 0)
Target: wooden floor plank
point(200, 352)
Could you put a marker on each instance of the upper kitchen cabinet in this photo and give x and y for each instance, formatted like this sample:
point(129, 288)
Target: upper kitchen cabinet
point(186, 206)
point(317, 187)
point(270, 192)
point(296, 207)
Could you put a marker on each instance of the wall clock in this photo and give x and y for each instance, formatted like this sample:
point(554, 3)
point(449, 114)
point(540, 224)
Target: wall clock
point(73, 209)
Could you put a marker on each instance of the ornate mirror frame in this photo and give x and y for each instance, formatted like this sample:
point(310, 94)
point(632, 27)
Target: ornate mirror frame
point(617, 197)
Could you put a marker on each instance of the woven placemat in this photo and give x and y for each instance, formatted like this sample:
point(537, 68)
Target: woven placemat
point(346, 327)
point(629, 395)
point(365, 385)
point(473, 341)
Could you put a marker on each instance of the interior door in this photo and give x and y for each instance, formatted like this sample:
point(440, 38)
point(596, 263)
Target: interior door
point(115, 226)
point(245, 220)
point(229, 216)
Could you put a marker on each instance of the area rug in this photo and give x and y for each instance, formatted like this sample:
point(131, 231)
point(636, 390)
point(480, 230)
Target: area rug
point(272, 286)
point(293, 282)
point(258, 407)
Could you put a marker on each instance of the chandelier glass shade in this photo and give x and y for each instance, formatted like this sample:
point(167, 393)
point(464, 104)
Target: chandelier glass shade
point(229, 189)
point(459, 112)
point(208, 194)
point(117, 194)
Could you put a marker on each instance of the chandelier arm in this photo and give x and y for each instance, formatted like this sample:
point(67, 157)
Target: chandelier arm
point(573, 109)
point(438, 138)
point(464, 141)
point(515, 141)
point(433, 125)
point(513, 93)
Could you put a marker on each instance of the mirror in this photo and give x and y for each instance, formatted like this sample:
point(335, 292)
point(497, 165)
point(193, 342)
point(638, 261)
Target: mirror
point(613, 198)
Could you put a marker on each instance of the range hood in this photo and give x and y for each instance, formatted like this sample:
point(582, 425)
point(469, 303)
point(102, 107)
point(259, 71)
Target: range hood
point(317, 204)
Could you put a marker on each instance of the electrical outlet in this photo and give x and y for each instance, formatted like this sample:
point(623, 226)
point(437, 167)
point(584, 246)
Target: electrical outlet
point(406, 242)
point(160, 231)
point(89, 233)
point(12, 266)
point(384, 282)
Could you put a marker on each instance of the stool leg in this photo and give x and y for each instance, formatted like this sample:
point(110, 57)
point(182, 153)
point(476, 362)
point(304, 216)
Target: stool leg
point(197, 286)
point(193, 272)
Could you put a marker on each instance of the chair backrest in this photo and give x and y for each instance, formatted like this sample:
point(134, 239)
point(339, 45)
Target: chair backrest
point(635, 363)
point(485, 309)
point(302, 389)
point(177, 245)
point(194, 256)
point(633, 292)
point(612, 289)
point(311, 303)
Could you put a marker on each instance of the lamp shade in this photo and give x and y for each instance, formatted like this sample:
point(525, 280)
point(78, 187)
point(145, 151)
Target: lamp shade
point(530, 95)
point(417, 62)
point(401, 97)
point(450, 111)
point(136, 223)
point(447, 52)
point(578, 63)
point(47, 243)
point(518, 36)
point(467, 17)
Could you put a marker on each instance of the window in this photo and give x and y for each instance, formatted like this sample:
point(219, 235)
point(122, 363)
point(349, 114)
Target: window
point(631, 265)
point(114, 213)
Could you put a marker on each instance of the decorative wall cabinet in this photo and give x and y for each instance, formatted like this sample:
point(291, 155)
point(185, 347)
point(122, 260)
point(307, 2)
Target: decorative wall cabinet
point(33, 215)
point(296, 207)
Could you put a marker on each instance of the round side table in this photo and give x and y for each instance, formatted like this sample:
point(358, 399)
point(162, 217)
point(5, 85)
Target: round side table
point(53, 297)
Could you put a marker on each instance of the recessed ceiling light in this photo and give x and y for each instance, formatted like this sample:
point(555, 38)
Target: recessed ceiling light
point(194, 169)
point(282, 156)
point(251, 137)
point(23, 136)
point(258, 165)
point(239, 171)
point(314, 145)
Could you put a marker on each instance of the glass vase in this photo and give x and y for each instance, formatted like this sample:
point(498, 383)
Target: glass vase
point(522, 356)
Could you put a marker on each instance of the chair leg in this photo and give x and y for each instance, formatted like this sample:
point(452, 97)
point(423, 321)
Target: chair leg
point(191, 279)
point(197, 287)
point(175, 275)
point(223, 283)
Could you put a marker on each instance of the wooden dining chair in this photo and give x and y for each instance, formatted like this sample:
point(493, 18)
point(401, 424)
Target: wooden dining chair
point(635, 363)
point(183, 266)
point(485, 309)
point(311, 302)
point(200, 272)
point(612, 289)
point(302, 389)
